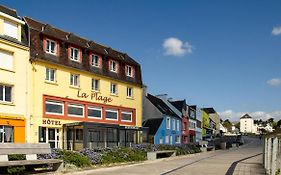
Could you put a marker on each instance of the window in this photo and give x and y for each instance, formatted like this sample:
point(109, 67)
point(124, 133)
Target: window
point(168, 123)
point(174, 124)
point(95, 84)
point(6, 60)
point(167, 139)
point(113, 66)
point(51, 46)
point(126, 116)
point(113, 88)
point(178, 139)
point(130, 92)
point(50, 75)
point(5, 93)
point(75, 110)
point(95, 112)
point(178, 125)
point(95, 60)
point(6, 134)
point(79, 134)
point(171, 139)
point(111, 114)
point(74, 80)
point(54, 107)
point(161, 140)
point(129, 71)
point(74, 54)
point(10, 29)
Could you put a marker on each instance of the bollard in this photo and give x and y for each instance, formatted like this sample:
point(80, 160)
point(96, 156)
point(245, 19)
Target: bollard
point(265, 153)
point(269, 154)
point(274, 156)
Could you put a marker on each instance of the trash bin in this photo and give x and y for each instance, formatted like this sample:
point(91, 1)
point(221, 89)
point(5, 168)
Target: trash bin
point(223, 145)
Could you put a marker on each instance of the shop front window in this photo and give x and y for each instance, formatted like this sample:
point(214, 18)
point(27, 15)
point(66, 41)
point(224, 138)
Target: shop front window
point(6, 134)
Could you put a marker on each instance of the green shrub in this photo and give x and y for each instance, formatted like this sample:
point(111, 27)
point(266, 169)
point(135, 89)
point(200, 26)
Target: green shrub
point(16, 157)
point(16, 169)
point(74, 158)
point(123, 154)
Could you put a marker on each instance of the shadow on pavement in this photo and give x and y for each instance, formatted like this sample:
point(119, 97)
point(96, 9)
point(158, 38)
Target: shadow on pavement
point(231, 169)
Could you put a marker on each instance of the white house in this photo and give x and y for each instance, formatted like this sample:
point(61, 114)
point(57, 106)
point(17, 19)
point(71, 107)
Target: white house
point(247, 124)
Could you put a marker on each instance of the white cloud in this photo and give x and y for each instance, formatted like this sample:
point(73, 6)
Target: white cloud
point(235, 116)
point(274, 82)
point(276, 31)
point(176, 47)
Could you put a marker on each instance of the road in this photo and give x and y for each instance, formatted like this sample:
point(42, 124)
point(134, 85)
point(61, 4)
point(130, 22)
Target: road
point(245, 160)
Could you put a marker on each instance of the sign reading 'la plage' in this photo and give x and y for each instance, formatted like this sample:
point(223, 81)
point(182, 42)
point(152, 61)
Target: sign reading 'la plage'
point(94, 96)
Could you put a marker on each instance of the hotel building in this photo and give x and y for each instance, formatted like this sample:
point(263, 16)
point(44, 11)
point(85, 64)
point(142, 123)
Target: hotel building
point(83, 94)
point(14, 56)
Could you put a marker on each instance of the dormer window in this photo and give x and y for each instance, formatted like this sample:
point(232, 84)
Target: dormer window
point(113, 66)
point(11, 29)
point(74, 54)
point(95, 61)
point(129, 71)
point(51, 46)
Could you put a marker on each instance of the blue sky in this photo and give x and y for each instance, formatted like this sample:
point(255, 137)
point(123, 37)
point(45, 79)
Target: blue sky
point(224, 54)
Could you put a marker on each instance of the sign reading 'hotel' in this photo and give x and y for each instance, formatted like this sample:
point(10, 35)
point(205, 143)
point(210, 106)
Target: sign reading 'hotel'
point(94, 96)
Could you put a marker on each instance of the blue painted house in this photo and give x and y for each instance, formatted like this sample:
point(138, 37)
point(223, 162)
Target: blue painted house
point(162, 119)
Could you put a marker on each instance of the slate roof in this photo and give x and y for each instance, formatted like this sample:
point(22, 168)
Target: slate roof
point(153, 124)
point(246, 116)
point(71, 38)
point(209, 110)
point(9, 11)
point(160, 105)
point(179, 104)
point(39, 30)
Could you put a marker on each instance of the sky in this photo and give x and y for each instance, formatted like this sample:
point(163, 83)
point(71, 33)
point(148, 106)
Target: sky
point(221, 54)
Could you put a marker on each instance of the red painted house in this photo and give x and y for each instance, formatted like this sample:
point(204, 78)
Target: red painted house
point(181, 106)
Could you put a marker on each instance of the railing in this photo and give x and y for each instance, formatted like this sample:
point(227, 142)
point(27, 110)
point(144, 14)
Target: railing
point(272, 152)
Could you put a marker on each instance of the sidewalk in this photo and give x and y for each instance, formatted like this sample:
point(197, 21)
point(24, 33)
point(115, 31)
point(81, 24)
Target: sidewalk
point(246, 160)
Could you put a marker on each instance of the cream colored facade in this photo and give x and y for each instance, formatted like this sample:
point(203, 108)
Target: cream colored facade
point(14, 113)
point(62, 89)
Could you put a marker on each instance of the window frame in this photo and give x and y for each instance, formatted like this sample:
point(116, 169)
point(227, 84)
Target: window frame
point(49, 76)
point(78, 80)
point(13, 24)
point(57, 103)
point(168, 126)
point(8, 53)
point(127, 112)
point(94, 56)
point(132, 92)
point(98, 88)
point(55, 46)
point(178, 125)
point(111, 66)
point(173, 124)
point(167, 139)
point(77, 106)
point(111, 110)
point(95, 108)
point(79, 56)
point(116, 88)
point(4, 93)
point(128, 67)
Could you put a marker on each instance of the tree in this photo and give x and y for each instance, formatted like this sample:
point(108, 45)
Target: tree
point(279, 123)
point(237, 125)
point(227, 124)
